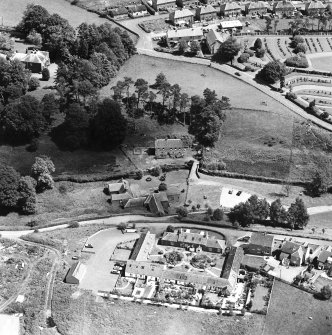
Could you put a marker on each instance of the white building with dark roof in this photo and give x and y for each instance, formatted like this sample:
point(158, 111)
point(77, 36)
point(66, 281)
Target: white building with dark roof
point(214, 39)
point(230, 9)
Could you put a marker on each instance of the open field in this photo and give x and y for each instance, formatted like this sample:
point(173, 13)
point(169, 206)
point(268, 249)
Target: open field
point(12, 11)
point(189, 77)
point(290, 309)
point(85, 316)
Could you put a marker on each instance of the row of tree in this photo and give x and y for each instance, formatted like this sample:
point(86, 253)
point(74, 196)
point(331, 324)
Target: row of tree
point(205, 114)
point(18, 193)
point(256, 210)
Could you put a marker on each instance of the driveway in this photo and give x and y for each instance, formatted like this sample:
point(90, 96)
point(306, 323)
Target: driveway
point(98, 276)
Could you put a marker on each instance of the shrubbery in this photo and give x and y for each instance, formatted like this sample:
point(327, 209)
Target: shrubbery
point(300, 60)
point(243, 57)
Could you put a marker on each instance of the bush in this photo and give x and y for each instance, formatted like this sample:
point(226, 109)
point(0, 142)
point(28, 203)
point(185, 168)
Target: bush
point(33, 146)
point(74, 225)
point(182, 212)
point(260, 53)
point(299, 60)
point(243, 57)
point(250, 52)
point(249, 68)
point(33, 84)
point(155, 171)
point(46, 74)
point(300, 48)
point(297, 40)
point(139, 174)
point(291, 96)
point(162, 187)
point(218, 214)
point(170, 229)
point(272, 72)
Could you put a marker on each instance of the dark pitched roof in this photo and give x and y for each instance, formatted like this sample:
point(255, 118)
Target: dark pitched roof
point(254, 262)
point(137, 8)
point(154, 201)
point(290, 247)
point(262, 239)
point(233, 261)
point(324, 255)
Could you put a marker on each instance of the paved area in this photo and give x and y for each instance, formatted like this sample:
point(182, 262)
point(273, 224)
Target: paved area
point(98, 267)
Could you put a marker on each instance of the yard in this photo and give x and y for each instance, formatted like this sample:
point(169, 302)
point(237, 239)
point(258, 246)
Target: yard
point(290, 310)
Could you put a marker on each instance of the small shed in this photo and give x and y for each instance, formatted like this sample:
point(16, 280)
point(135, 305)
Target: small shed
point(75, 273)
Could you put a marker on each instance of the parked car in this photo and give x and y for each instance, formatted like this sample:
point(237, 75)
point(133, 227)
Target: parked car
point(89, 245)
point(238, 193)
point(238, 74)
point(148, 179)
point(115, 272)
point(75, 258)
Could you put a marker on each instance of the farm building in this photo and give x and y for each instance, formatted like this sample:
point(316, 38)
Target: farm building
point(137, 11)
point(75, 273)
point(181, 17)
point(259, 244)
point(171, 147)
point(118, 188)
point(230, 9)
point(232, 265)
point(118, 13)
point(157, 203)
point(206, 13)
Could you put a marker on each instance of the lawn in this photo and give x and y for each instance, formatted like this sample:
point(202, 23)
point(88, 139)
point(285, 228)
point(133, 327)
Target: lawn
point(259, 303)
point(323, 63)
point(290, 309)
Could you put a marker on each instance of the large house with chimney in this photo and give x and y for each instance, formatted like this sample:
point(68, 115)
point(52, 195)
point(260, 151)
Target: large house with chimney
point(206, 13)
point(181, 17)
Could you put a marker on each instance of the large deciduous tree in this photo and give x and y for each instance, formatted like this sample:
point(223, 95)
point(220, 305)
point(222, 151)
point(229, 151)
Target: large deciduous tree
point(41, 171)
point(9, 180)
point(278, 214)
point(108, 127)
point(272, 72)
point(297, 215)
point(227, 51)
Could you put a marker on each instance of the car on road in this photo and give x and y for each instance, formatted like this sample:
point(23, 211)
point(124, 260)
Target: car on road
point(148, 179)
point(89, 245)
point(75, 258)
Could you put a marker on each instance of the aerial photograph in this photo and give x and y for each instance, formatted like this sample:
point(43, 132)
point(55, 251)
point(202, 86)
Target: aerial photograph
point(165, 167)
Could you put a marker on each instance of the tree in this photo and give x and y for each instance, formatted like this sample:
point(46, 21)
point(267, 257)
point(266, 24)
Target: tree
point(184, 99)
point(108, 127)
point(318, 184)
point(164, 91)
point(254, 210)
point(258, 44)
point(260, 53)
point(183, 46)
point(181, 212)
point(227, 50)
point(210, 96)
point(170, 229)
point(33, 84)
point(45, 74)
point(278, 214)
point(27, 201)
point(209, 211)
point(41, 171)
point(141, 89)
point(297, 214)
point(34, 38)
point(268, 24)
point(218, 214)
point(326, 292)
point(195, 47)
point(9, 180)
point(272, 72)
point(22, 120)
point(160, 80)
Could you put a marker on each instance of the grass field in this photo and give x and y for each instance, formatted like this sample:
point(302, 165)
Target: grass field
point(323, 63)
point(290, 309)
point(12, 11)
point(83, 315)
